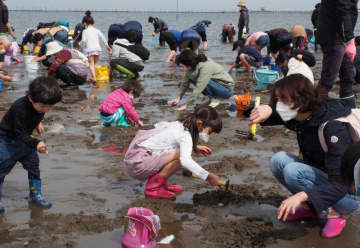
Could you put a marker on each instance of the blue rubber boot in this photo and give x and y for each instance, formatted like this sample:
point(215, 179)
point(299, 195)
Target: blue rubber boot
point(2, 208)
point(35, 195)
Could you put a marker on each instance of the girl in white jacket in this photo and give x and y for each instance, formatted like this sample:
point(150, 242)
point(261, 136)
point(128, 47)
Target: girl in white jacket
point(91, 37)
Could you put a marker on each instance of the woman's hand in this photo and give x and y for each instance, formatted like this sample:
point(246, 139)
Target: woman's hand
point(260, 114)
point(40, 128)
point(213, 179)
point(183, 107)
point(290, 204)
point(204, 150)
point(41, 148)
point(174, 102)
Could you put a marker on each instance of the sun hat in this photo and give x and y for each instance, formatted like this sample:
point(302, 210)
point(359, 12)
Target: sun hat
point(241, 4)
point(52, 48)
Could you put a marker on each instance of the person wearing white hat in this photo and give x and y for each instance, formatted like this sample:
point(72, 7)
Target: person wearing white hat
point(69, 65)
point(244, 20)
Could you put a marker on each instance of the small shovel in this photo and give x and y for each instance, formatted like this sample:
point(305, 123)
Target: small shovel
point(252, 134)
point(222, 183)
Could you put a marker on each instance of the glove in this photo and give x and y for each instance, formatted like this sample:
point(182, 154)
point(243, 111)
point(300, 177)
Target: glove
point(350, 49)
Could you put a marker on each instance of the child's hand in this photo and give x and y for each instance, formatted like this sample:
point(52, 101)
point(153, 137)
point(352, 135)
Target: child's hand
point(40, 128)
point(204, 150)
point(213, 179)
point(108, 48)
point(41, 148)
point(141, 124)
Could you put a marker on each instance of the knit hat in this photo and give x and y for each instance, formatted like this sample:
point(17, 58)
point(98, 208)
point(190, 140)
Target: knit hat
point(52, 48)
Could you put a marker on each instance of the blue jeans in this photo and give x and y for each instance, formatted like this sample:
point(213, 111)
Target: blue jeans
point(296, 176)
point(216, 90)
point(13, 151)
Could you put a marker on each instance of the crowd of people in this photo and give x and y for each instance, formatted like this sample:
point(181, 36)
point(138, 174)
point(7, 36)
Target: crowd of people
point(323, 179)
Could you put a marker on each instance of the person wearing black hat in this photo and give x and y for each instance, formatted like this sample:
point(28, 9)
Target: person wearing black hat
point(247, 56)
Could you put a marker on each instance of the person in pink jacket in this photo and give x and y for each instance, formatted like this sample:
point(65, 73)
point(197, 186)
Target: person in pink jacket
point(118, 106)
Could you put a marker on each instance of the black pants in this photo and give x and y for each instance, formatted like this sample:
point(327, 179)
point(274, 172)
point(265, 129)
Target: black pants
point(169, 38)
point(336, 62)
point(68, 77)
point(133, 67)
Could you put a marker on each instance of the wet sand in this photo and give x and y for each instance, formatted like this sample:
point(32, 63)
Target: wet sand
point(83, 177)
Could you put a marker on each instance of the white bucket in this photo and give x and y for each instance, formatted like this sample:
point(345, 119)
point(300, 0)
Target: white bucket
point(31, 66)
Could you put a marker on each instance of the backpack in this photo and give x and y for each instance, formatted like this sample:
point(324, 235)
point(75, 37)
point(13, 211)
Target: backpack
point(140, 51)
point(142, 230)
point(352, 119)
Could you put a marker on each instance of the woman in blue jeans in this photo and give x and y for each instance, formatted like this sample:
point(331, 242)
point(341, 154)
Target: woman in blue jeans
point(314, 178)
point(208, 77)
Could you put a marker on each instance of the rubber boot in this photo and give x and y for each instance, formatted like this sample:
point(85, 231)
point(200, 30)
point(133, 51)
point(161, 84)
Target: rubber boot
point(35, 195)
point(128, 73)
point(173, 187)
point(155, 188)
point(333, 227)
point(2, 208)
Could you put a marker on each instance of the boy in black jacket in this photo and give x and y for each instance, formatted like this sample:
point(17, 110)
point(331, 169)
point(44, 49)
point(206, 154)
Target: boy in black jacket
point(16, 128)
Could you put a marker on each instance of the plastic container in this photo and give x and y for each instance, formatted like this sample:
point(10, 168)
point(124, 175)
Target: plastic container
point(102, 75)
point(266, 60)
point(264, 77)
point(31, 66)
point(274, 67)
point(0, 85)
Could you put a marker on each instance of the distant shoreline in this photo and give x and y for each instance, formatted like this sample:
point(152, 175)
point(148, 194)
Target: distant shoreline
point(180, 12)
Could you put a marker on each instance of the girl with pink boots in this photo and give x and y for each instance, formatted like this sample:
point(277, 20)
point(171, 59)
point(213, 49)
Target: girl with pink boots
point(157, 154)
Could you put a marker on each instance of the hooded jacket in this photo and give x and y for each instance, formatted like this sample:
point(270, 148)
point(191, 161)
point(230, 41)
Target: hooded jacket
point(135, 53)
point(338, 140)
point(337, 21)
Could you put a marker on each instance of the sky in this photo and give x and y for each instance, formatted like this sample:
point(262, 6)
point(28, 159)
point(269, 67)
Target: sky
point(159, 5)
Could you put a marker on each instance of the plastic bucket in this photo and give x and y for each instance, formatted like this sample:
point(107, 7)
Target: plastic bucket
point(266, 60)
point(102, 75)
point(275, 67)
point(31, 66)
point(264, 77)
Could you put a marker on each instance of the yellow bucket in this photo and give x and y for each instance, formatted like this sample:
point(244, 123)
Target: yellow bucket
point(37, 50)
point(102, 75)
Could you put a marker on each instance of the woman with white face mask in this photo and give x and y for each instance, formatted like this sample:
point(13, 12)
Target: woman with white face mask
point(315, 178)
point(155, 155)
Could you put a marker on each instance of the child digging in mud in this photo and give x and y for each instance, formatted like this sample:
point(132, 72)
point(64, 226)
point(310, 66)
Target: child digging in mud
point(16, 142)
point(157, 154)
point(118, 105)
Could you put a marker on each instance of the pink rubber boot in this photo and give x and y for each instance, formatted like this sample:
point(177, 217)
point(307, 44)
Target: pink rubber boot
point(333, 227)
point(155, 187)
point(301, 214)
point(173, 187)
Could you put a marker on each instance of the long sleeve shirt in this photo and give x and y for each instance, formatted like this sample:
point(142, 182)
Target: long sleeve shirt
point(91, 39)
point(201, 76)
point(119, 98)
point(173, 137)
point(20, 121)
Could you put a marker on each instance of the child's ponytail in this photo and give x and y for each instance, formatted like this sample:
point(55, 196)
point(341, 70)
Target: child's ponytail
point(209, 118)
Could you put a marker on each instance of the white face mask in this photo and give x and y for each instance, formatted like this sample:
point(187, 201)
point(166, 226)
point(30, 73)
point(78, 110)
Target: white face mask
point(204, 137)
point(285, 111)
point(132, 97)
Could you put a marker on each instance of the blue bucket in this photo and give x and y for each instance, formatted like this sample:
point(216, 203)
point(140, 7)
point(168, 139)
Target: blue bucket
point(264, 77)
point(155, 40)
point(266, 60)
point(274, 67)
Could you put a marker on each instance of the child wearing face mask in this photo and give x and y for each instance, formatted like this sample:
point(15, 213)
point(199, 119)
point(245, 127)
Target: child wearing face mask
point(118, 105)
point(155, 155)
point(315, 178)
